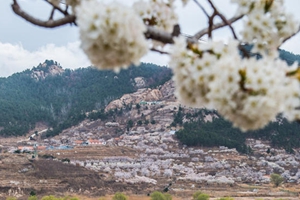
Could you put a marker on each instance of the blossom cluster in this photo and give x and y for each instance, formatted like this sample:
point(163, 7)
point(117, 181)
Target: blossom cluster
point(248, 92)
point(266, 25)
point(112, 36)
point(157, 13)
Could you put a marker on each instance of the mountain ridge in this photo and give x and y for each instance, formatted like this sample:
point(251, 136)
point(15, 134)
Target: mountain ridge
point(59, 97)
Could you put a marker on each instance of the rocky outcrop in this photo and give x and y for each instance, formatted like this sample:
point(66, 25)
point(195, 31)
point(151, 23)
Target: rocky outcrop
point(140, 82)
point(164, 92)
point(167, 91)
point(43, 71)
point(134, 98)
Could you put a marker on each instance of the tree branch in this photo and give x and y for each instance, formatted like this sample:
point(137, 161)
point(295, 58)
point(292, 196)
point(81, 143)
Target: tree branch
point(158, 35)
point(210, 24)
point(290, 36)
point(202, 8)
point(65, 12)
point(164, 37)
point(68, 19)
point(159, 51)
point(226, 22)
point(205, 31)
point(52, 14)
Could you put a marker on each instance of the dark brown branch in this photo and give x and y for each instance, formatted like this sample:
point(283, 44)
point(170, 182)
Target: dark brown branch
point(203, 32)
point(159, 51)
point(64, 12)
point(286, 39)
point(161, 36)
point(226, 22)
point(210, 24)
point(52, 14)
point(69, 19)
point(202, 8)
point(164, 37)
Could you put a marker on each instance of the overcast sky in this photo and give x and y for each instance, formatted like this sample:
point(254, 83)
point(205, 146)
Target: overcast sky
point(23, 45)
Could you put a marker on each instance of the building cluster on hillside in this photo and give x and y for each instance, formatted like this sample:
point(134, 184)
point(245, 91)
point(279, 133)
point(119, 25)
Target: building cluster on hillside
point(57, 145)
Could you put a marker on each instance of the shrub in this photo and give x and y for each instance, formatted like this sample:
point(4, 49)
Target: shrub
point(168, 196)
point(196, 194)
point(33, 197)
point(70, 198)
point(11, 198)
point(276, 179)
point(49, 198)
point(119, 196)
point(200, 196)
point(32, 193)
point(16, 151)
point(226, 198)
point(157, 196)
point(203, 197)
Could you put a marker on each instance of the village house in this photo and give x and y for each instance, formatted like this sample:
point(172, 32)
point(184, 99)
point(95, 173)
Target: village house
point(25, 148)
point(95, 142)
point(78, 142)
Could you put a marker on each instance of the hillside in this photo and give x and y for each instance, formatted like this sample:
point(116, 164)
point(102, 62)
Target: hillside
point(58, 98)
point(48, 96)
point(133, 145)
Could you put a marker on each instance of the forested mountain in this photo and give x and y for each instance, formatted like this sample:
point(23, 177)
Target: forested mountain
point(60, 98)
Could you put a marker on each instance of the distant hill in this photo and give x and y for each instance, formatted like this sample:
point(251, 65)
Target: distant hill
point(60, 97)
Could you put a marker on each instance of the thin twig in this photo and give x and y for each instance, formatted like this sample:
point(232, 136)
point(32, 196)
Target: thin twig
point(286, 39)
point(204, 31)
point(65, 12)
point(52, 13)
point(164, 37)
point(159, 51)
point(69, 19)
point(66, 9)
point(210, 24)
point(223, 19)
point(202, 8)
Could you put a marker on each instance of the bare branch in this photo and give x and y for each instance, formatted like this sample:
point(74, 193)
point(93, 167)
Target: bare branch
point(52, 13)
point(68, 19)
point(286, 39)
point(164, 37)
point(159, 51)
point(223, 19)
point(65, 12)
point(210, 24)
point(204, 31)
point(161, 36)
point(202, 8)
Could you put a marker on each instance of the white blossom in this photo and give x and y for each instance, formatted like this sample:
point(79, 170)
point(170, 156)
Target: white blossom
point(112, 35)
point(248, 92)
point(158, 13)
point(266, 25)
point(168, 172)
